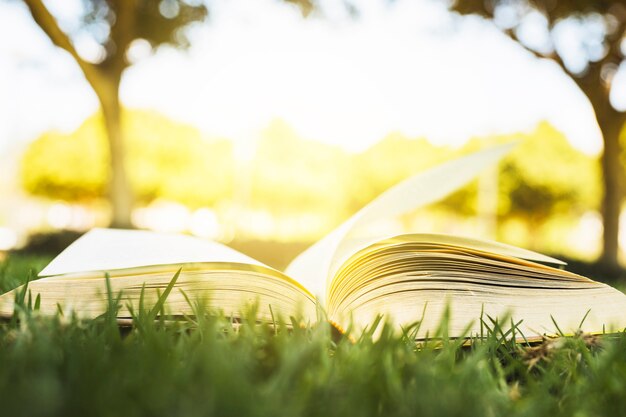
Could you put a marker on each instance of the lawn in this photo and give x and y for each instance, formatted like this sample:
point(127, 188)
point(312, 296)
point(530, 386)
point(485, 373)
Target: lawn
point(203, 367)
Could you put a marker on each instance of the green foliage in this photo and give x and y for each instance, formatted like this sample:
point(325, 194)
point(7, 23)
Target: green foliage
point(292, 175)
point(544, 182)
point(202, 366)
point(388, 162)
point(165, 159)
point(545, 176)
point(175, 162)
point(69, 167)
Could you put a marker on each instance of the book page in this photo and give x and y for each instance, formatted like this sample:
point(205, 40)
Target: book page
point(479, 245)
point(316, 265)
point(419, 276)
point(113, 249)
point(351, 246)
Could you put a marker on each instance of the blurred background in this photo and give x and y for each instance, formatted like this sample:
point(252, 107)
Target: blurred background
point(264, 124)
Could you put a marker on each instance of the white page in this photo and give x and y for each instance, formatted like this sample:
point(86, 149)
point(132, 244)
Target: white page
point(112, 249)
point(315, 266)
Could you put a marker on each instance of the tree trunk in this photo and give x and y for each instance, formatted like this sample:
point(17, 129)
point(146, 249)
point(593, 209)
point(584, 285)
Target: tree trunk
point(119, 190)
point(611, 122)
point(611, 125)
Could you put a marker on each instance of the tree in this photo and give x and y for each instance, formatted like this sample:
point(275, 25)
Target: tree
point(115, 25)
point(596, 29)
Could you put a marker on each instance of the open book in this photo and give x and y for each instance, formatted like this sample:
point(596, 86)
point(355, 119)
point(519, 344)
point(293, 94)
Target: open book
point(353, 274)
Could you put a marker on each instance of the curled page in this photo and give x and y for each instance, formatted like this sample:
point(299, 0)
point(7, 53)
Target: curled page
point(314, 267)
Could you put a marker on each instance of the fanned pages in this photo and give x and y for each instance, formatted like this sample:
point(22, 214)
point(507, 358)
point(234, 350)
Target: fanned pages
point(408, 278)
point(315, 266)
point(417, 277)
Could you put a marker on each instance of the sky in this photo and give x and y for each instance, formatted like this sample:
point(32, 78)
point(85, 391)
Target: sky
point(411, 68)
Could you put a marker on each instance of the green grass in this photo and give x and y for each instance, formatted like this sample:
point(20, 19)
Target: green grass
point(203, 367)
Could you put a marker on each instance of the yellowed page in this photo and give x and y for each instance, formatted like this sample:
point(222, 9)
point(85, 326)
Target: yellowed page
point(478, 245)
point(113, 249)
point(226, 287)
point(351, 246)
point(401, 277)
point(536, 308)
point(316, 266)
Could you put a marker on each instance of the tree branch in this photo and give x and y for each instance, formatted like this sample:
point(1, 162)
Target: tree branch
point(553, 56)
point(122, 33)
point(49, 25)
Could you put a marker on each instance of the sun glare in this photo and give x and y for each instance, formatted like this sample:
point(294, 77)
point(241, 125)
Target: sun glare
point(276, 126)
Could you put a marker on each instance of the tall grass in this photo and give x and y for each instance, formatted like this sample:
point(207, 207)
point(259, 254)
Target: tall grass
point(203, 366)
